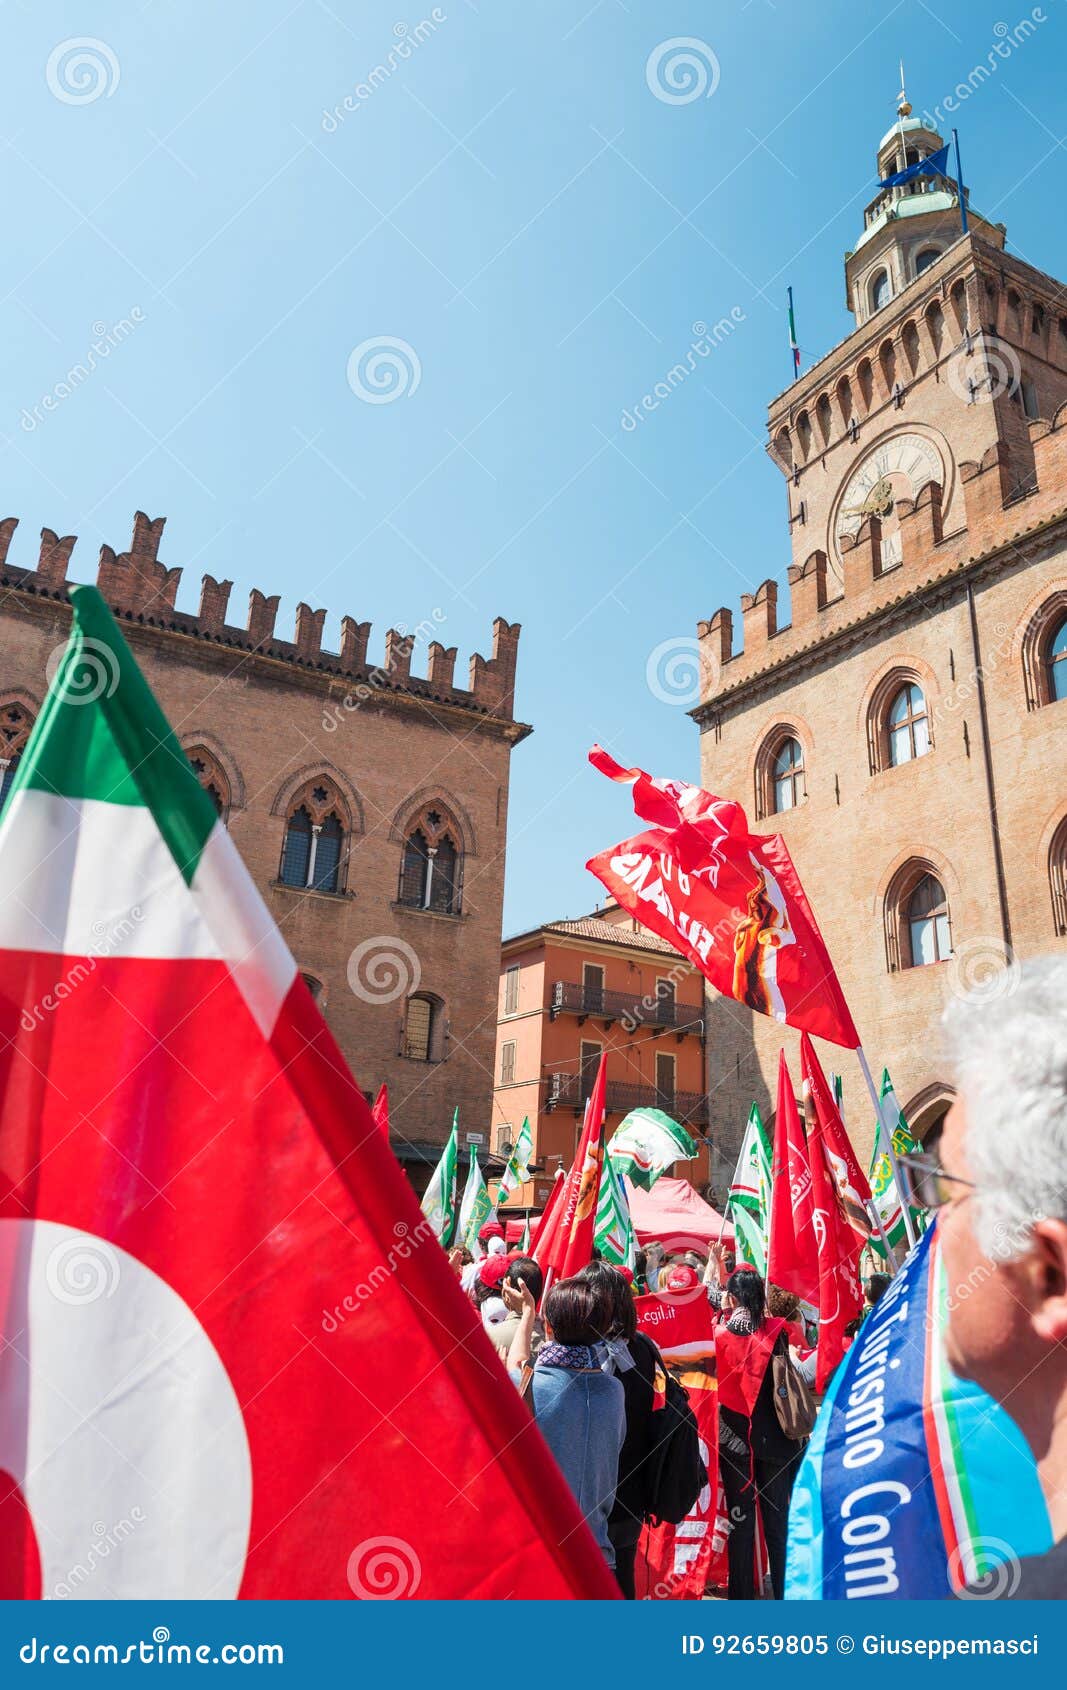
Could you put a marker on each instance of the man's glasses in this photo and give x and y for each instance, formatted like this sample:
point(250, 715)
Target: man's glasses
point(927, 1185)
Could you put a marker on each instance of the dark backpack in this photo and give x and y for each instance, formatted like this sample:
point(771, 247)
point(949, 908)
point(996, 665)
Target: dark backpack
point(676, 1473)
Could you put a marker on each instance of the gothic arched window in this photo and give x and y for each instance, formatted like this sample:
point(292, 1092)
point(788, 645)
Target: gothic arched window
point(212, 777)
point(15, 726)
point(907, 725)
point(431, 865)
point(423, 1028)
point(314, 843)
point(917, 922)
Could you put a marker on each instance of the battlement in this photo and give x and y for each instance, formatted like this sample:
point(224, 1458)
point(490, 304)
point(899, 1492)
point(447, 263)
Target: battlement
point(999, 515)
point(140, 588)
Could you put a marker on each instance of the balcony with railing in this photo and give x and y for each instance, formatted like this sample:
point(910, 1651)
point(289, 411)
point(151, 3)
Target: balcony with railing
point(596, 1003)
point(569, 1089)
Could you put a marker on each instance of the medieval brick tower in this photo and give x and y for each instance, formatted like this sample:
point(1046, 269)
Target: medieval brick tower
point(905, 728)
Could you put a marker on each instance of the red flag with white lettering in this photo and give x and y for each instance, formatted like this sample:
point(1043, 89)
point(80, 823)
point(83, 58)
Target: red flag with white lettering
point(727, 899)
point(840, 1296)
point(792, 1256)
point(565, 1245)
point(853, 1189)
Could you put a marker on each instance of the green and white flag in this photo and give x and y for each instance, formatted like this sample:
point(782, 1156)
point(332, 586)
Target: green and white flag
point(646, 1144)
point(749, 1202)
point(517, 1171)
point(614, 1228)
point(475, 1208)
point(883, 1185)
point(439, 1202)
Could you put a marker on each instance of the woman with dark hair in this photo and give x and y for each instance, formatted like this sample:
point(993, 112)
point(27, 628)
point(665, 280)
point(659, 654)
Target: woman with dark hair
point(579, 1408)
point(757, 1462)
point(635, 1359)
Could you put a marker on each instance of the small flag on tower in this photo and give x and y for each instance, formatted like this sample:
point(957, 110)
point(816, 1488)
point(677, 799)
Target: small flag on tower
point(793, 337)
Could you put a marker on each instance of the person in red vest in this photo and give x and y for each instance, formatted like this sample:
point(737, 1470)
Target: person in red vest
point(757, 1462)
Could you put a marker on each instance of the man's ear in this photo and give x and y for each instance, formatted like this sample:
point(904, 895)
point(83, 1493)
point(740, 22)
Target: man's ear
point(1050, 1283)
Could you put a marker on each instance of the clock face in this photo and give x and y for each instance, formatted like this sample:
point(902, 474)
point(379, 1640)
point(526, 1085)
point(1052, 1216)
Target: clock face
point(895, 470)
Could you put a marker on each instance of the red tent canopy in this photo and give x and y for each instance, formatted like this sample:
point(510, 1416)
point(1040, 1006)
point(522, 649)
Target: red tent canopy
point(673, 1213)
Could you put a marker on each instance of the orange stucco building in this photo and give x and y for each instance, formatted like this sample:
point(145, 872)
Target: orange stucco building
point(568, 991)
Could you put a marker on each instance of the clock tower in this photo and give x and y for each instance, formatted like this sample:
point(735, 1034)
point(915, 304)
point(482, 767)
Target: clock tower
point(904, 723)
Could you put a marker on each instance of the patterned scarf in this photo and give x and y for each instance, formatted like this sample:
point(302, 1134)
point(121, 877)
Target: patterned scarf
point(740, 1321)
point(577, 1358)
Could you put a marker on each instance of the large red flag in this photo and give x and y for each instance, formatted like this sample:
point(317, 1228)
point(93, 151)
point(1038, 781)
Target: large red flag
point(565, 1245)
point(840, 1296)
point(792, 1256)
point(547, 1221)
point(229, 1340)
point(853, 1189)
point(727, 899)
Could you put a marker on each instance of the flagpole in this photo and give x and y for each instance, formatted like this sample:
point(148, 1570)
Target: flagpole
point(959, 183)
point(794, 349)
point(878, 1115)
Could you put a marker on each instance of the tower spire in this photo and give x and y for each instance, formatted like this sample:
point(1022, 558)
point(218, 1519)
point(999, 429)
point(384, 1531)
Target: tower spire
point(903, 107)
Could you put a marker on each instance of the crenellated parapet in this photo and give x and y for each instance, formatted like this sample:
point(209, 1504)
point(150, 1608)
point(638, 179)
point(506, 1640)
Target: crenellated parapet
point(1001, 519)
point(142, 589)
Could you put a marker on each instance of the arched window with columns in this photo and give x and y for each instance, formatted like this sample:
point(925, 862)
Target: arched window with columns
point(431, 863)
point(16, 723)
point(212, 777)
point(314, 846)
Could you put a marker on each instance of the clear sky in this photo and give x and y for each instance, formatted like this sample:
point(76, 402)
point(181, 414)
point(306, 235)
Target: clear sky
point(510, 197)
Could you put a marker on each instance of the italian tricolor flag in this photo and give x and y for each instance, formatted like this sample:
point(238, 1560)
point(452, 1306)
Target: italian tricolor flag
point(231, 1349)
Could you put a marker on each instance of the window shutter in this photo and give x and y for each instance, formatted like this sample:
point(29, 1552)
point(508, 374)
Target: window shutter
point(296, 851)
point(413, 871)
point(328, 855)
point(443, 884)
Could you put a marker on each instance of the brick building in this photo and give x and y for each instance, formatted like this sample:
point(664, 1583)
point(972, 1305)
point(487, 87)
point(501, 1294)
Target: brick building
point(370, 804)
point(572, 989)
point(906, 728)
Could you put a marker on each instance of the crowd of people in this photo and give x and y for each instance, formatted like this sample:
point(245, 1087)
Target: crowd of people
point(593, 1381)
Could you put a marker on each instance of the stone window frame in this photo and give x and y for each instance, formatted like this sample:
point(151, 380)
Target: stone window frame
point(1057, 878)
point(18, 714)
point(882, 697)
point(437, 825)
point(897, 917)
point(319, 798)
point(212, 777)
point(766, 756)
point(436, 1032)
point(1037, 639)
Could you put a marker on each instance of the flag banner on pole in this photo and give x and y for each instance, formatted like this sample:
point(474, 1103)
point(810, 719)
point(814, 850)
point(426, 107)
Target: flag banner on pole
point(547, 1218)
point(749, 1201)
point(681, 1326)
point(793, 346)
point(728, 900)
point(678, 1563)
point(883, 1184)
point(475, 1208)
point(517, 1171)
point(793, 1254)
point(938, 1472)
point(934, 164)
point(439, 1198)
point(380, 1111)
point(853, 1190)
point(614, 1236)
point(837, 1245)
point(222, 1312)
point(566, 1246)
point(646, 1143)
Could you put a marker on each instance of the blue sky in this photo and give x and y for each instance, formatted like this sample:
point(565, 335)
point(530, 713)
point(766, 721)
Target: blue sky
point(541, 231)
